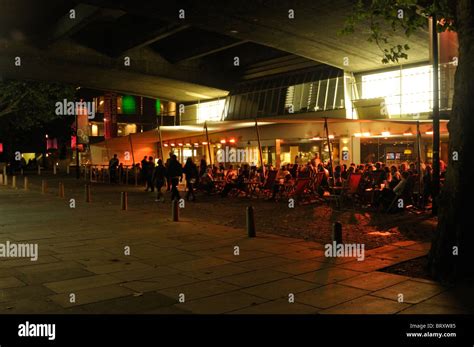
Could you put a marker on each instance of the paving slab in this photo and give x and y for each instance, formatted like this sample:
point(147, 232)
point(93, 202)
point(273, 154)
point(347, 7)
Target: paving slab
point(253, 278)
point(328, 275)
point(280, 289)
point(77, 284)
point(198, 290)
point(367, 304)
point(281, 306)
point(90, 295)
point(10, 282)
point(374, 280)
point(413, 292)
point(222, 303)
point(329, 295)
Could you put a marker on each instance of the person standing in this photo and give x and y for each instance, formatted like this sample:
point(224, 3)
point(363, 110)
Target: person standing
point(175, 173)
point(168, 178)
point(191, 172)
point(113, 165)
point(150, 166)
point(144, 164)
point(159, 178)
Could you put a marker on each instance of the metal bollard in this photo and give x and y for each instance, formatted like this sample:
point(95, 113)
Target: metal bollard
point(54, 169)
point(25, 182)
point(14, 182)
point(44, 186)
point(5, 180)
point(175, 210)
point(250, 222)
point(124, 201)
point(88, 192)
point(61, 190)
point(337, 232)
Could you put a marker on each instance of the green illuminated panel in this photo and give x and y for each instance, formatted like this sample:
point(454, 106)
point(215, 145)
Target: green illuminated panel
point(129, 104)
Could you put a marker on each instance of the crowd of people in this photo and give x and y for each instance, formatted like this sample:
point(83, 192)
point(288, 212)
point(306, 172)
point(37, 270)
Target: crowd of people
point(386, 181)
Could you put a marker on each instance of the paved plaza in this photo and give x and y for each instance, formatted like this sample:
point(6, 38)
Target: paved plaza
point(96, 258)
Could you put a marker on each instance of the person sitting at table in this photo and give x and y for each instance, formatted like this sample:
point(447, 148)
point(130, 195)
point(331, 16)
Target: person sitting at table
point(283, 176)
point(388, 195)
point(395, 177)
point(427, 185)
point(206, 181)
point(237, 183)
point(337, 176)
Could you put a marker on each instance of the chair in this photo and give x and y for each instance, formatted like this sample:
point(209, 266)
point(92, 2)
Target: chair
point(267, 187)
point(353, 184)
point(299, 189)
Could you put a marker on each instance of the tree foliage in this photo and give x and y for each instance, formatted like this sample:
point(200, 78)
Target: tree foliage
point(29, 104)
point(387, 17)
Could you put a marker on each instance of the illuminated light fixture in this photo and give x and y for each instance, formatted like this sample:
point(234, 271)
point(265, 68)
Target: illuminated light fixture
point(331, 137)
point(358, 134)
point(316, 138)
point(105, 120)
point(366, 134)
point(172, 144)
point(101, 102)
point(180, 144)
point(232, 140)
point(429, 132)
point(407, 133)
point(407, 151)
point(233, 31)
point(196, 144)
point(188, 144)
point(46, 136)
point(223, 141)
point(385, 133)
point(204, 143)
point(165, 144)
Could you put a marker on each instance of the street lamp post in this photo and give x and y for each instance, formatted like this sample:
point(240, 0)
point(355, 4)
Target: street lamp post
point(436, 136)
point(78, 173)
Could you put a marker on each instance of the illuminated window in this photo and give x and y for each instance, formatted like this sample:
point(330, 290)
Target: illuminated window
point(405, 92)
point(95, 130)
point(210, 111)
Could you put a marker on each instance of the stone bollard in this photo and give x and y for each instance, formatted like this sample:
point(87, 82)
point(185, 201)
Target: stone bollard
point(124, 201)
point(25, 182)
point(67, 169)
point(39, 170)
point(250, 222)
point(175, 210)
point(1, 179)
point(14, 182)
point(61, 190)
point(5, 180)
point(44, 186)
point(337, 232)
point(54, 169)
point(88, 192)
